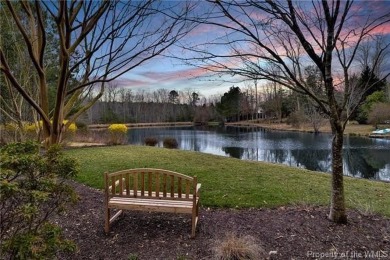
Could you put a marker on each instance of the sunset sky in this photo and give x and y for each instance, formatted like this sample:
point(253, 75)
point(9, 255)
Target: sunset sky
point(173, 74)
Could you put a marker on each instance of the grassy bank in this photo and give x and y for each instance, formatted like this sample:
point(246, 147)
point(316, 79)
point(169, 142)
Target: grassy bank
point(229, 182)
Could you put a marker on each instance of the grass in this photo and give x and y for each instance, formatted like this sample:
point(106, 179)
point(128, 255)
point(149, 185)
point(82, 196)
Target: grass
point(238, 247)
point(233, 183)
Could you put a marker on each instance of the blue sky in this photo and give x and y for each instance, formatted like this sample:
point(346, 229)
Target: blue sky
point(173, 74)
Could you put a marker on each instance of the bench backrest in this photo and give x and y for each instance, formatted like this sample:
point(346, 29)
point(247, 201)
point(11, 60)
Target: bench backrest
point(150, 183)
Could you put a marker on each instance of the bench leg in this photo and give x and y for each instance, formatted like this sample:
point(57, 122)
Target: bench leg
point(193, 227)
point(195, 215)
point(107, 220)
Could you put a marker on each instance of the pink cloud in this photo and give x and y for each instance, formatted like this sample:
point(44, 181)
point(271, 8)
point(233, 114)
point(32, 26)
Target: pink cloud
point(174, 75)
point(202, 29)
point(258, 16)
point(382, 29)
point(126, 82)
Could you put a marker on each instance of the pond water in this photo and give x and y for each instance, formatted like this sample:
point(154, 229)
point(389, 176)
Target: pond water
point(363, 157)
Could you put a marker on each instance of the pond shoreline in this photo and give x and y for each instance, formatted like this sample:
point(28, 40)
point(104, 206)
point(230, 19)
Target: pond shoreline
point(142, 125)
point(351, 129)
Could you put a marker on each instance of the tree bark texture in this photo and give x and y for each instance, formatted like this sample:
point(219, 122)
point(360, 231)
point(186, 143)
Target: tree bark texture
point(337, 206)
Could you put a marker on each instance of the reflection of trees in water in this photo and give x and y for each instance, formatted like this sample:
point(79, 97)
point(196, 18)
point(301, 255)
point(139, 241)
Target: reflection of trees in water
point(238, 133)
point(194, 143)
point(276, 156)
point(235, 152)
point(367, 159)
point(255, 154)
point(315, 160)
point(365, 163)
point(384, 174)
point(252, 154)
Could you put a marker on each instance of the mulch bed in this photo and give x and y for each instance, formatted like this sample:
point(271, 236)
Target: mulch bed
point(299, 232)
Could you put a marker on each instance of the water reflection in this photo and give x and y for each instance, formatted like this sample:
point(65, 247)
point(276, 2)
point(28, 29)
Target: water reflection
point(236, 152)
point(363, 157)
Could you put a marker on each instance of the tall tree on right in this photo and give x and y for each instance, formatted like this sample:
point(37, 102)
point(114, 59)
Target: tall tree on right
point(276, 40)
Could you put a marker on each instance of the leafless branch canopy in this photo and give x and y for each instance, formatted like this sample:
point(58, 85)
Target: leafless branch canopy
point(276, 40)
point(97, 41)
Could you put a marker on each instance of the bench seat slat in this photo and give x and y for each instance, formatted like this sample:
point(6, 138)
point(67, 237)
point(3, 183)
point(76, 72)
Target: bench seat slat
point(139, 195)
point(151, 205)
point(168, 203)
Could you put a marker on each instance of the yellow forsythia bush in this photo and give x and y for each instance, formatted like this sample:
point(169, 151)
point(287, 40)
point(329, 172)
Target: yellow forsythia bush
point(11, 127)
point(32, 127)
point(72, 127)
point(9, 132)
point(118, 128)
point(117, 133)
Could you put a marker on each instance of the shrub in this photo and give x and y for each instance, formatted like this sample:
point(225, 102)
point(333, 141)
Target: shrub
point(11, 132)
point(366, 107)
point(117, 133)
point(32, 190)
point(11, 127)
point(81, 125)
point(69, 133)
point(72, 127)
point(238, 247)
point(118, 128)
point(170, 143)
point(380, 113)
point(32, 129)
point(296, 119)
point(151, 141)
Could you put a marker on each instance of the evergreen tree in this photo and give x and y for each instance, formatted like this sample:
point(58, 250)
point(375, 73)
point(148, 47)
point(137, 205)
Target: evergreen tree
point(370, 95)
point(230, 103)
point(369, 78)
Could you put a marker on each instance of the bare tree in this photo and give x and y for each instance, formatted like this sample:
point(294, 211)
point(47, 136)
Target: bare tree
point(275, 40)
point(314, 117)
point(253, 97)
point(273, 94)
point(372, 53)
point(98, 41)
point(13, 108)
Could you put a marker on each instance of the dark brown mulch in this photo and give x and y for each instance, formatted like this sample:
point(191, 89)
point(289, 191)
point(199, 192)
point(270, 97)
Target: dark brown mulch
point(283, 233)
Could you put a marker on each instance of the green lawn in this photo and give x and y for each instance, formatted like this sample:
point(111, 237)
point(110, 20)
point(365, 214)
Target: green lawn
point(229, 182)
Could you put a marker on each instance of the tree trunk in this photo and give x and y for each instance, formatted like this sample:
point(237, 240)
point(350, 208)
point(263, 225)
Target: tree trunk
point(337, 212)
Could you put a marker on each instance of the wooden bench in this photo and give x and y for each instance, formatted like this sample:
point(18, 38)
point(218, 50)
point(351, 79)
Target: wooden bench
point(147, 189)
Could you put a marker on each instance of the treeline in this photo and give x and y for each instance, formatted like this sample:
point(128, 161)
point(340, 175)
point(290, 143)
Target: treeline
point(278, 103)
point(269, 101)
point(120, 105)
point(147, 112)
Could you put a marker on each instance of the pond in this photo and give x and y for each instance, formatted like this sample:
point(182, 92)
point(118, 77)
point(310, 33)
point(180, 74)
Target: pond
point(363, 157)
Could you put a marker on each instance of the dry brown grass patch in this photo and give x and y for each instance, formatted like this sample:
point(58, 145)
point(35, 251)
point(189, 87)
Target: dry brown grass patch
point(236, 247)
